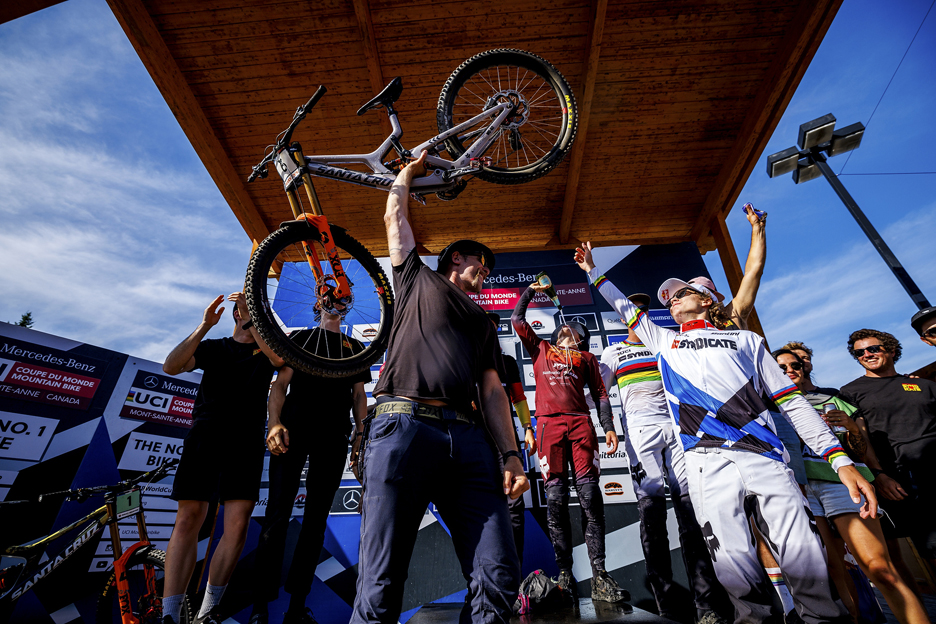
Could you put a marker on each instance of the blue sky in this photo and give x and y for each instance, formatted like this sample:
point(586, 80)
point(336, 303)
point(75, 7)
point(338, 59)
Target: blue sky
point(112, 232)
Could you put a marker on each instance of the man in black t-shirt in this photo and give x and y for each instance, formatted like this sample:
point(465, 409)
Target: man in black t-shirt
point(310, 422)
point(223, 455)
point(899, 415)
point(425, 443)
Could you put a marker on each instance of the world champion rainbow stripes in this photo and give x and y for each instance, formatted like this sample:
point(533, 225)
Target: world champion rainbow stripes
point(782, 396)
point(643, 369)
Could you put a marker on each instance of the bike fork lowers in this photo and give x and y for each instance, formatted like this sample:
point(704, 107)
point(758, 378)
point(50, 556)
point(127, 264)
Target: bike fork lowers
point(320, 223)
point(152, 601)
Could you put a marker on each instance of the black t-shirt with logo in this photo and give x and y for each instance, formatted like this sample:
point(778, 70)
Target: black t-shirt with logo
point(321, 403)
point(901, 416)
point(441, 341)
point(234, 386)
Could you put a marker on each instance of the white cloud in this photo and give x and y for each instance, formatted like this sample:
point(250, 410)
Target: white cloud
point(101, 241)
point(823, 299)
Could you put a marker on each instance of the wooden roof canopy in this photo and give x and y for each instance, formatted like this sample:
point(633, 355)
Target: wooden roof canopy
point(677, 99)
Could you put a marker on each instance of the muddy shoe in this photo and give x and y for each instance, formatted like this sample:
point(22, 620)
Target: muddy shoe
point(567, 584)
point(606, 589)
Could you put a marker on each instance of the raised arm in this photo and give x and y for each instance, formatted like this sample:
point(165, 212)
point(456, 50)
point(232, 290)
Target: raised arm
point(182, 358)
point(739, 309)
point(400, 239)
point(518, 319)
point(241, 302)
point(496, 413)
point(651, 334)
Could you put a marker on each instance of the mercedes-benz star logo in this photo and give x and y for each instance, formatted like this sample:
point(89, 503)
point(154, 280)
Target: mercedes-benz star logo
point(151, 382)
point(351, 500)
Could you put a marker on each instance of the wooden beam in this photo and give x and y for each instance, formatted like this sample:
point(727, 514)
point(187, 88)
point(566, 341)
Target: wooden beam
point(584, 112)
point(150, 46)
point(371, 55)
point(10, 11)
point(805, 33)
point(729, 259)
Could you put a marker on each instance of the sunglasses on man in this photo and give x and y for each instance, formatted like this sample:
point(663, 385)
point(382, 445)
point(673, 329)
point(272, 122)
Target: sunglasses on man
point(682, 292)
point(793, 366)
point(930, 333)
point(872, 349)
point(478, 255)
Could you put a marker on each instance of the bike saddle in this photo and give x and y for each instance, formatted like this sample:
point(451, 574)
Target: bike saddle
point(389, 95)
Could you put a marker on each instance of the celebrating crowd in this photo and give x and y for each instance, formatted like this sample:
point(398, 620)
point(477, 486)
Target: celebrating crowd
point(771, 477)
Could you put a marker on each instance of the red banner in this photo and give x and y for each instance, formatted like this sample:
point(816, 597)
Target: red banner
point(48, 385)
point(506, 298)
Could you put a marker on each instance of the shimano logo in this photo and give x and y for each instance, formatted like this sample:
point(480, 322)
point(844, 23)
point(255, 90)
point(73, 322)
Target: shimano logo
point(705, 343)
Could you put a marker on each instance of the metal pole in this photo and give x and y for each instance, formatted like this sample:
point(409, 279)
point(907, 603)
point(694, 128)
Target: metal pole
point(892, 262)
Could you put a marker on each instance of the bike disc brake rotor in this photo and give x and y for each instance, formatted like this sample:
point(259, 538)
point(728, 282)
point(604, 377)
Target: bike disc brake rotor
point(327, 299)
point(521, 111)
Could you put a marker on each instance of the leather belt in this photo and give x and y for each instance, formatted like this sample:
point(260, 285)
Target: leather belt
point(421, 410)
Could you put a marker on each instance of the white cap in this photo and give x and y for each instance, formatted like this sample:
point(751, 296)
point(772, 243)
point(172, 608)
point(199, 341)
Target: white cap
point(673, 285)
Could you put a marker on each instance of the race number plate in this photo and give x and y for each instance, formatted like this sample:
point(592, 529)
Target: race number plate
point(128, 504)
point(286, 168)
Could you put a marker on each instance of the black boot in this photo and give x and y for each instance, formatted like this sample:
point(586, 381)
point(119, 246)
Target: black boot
point(605, 589)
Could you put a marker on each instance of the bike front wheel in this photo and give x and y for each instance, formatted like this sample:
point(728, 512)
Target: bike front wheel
point(145, 605)
point(281, 293)
point(536, 136)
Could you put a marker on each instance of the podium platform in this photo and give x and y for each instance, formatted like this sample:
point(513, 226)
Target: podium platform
point(585, 612)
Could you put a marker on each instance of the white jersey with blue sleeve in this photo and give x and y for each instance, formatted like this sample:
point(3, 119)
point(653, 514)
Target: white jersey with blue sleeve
point(721, 386)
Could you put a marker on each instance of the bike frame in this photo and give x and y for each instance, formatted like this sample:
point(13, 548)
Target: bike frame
point(92, 524)
point(295, 169)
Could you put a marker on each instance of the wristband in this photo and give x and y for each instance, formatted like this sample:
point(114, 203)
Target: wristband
point(510, 454)
point(877, 473)
point(528, 428)
point(248, 325)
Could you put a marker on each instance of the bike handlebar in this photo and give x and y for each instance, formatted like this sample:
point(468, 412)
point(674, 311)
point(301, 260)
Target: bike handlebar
point(82, 494)
point(301, 112)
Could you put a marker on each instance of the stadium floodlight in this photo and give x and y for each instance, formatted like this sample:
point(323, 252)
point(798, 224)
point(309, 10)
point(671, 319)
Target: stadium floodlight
point(782, 162)
point(806, 171)
point(816, 132)
point(817, 139)
point(846, 139)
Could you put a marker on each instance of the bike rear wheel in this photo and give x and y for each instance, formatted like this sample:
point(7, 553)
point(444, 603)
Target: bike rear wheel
point(281, 297)
point(540, 131)
point(145, 606)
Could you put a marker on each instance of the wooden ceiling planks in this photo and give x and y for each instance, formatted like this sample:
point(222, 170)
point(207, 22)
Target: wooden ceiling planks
point(683, 97)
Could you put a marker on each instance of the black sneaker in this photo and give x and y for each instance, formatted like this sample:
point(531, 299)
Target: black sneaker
point(211, 618)
point(302, 617)
point(567, 583)
point(606, 589)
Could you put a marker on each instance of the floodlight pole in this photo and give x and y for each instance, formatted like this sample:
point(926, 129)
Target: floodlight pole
point(893, 263)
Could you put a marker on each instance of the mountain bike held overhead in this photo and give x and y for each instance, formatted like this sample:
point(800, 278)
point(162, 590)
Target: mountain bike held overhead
point(504, 116)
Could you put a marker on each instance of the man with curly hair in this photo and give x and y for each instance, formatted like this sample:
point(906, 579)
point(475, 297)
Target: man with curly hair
point(900, 418)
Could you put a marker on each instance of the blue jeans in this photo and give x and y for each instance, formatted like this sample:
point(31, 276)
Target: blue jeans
point(409, 462)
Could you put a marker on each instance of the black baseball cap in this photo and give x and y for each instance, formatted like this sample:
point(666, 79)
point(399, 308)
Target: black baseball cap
point(920, 318)
point(466, 247)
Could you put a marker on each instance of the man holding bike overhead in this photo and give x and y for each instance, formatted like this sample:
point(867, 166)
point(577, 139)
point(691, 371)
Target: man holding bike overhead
point(425, 443)
point(222, 456)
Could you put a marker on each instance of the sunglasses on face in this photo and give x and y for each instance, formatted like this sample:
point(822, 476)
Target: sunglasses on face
point(930, 333)
point(479, 256)
point(872, 349)
point(793, 366)
point(682, 292)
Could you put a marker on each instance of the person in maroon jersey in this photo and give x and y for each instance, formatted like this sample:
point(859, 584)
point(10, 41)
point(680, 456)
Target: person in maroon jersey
point(562, 367)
